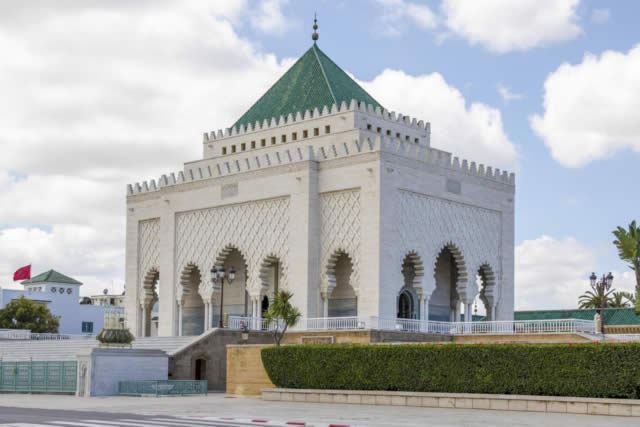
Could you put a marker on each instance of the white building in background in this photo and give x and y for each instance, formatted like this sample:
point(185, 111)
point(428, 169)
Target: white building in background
point(320, 190)
point(61, 294)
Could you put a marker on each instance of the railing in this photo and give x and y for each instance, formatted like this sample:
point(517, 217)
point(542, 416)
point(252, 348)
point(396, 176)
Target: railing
point(26, 335)
point(554, 326)
point(50, 376)
point(15, 334)
point(331, 323)
point(250, 324)
point(162, 387)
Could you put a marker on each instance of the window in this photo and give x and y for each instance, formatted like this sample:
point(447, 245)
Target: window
point(224, 150)
point(233, 148)
point(284, 138)
point(316, 131)
point(253, 144)
point(406, 138)
point(416, 140)
point(388, 132)
point(273, 140)
point(87, 327)
point(398, 135)
point(112, 301)
point(305, 134)
point(369, 127)
point(243, 146)
point(327, 129)
point(294, 136)
point(263, 142)
point(379, 130)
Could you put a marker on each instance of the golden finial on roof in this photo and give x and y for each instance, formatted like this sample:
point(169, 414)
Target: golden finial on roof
point(315, 36)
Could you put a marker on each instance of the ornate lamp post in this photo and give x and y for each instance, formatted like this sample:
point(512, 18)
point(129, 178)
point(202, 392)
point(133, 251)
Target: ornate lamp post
point(217, 274)
point(603, 287)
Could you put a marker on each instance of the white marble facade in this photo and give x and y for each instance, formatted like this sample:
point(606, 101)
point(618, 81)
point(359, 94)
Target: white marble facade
point(356, 214)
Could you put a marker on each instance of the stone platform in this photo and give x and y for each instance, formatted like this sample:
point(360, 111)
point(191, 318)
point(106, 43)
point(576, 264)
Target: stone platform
point(551, 404)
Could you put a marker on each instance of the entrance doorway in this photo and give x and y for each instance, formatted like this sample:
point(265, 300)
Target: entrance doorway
point(405, 306)
point(265, 305)
point(201, 369)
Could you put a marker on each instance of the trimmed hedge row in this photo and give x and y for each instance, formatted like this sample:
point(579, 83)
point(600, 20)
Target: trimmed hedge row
point(581, 370)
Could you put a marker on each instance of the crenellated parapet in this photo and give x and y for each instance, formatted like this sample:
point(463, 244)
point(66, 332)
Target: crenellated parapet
point(354, 106)
point(279, 156)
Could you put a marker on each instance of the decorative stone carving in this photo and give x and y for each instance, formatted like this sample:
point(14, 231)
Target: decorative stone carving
point(427, 224)
point(149, 251)
point(257, 229)
point(340, 228)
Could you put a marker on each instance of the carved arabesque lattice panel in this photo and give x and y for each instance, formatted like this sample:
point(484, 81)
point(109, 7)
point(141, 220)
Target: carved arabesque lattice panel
point(427, 224)
point(148, 248)
point(257, 229)
point(340, 231)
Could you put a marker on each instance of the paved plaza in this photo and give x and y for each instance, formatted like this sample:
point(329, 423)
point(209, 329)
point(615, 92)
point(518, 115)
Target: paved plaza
point(69, 411)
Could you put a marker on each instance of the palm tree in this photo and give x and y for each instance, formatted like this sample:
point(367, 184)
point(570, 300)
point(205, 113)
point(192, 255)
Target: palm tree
point(628, 244)
point(282, 313)
point(593, 298)
point(620, 300)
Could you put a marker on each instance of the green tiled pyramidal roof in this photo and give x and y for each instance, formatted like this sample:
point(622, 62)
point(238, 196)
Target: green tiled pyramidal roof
point(51, 276)
point(312, 82)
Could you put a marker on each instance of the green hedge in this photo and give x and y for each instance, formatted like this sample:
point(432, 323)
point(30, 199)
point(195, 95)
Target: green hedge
point(585, 370)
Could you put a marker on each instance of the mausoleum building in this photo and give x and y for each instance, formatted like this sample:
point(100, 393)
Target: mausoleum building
point(320, 190)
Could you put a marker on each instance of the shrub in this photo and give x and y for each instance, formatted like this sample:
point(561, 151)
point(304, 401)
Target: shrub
point(583, 370)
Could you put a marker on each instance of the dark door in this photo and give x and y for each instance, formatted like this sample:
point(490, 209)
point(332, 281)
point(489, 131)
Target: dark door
point(201, 369)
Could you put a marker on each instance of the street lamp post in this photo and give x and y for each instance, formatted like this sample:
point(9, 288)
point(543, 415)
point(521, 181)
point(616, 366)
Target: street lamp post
point(603, 286)
point(217, 274)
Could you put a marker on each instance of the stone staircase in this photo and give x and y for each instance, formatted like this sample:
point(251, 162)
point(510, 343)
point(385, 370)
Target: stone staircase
point(11, 350)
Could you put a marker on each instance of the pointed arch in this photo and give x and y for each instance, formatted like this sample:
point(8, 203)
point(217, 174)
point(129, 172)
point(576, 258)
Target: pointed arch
point(186, 281)
point(330, 270)
point(267, 274)
point(460, 264)
point(488, 292)
point(413, 261)
point(149, 286)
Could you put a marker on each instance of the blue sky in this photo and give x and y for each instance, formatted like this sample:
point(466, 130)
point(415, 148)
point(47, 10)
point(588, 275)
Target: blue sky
point(127, 101)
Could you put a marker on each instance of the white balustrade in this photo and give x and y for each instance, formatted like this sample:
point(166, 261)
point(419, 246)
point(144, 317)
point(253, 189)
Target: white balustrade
point(552, 326)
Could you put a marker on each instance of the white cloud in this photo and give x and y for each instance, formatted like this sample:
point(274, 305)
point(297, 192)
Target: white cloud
point(507, 95)
point(545, 280)
point(270, 18)
point(474, 132)
point(600, 16)
point(506, 25)
point(99, 94)
point(396, 14)
point(591, 109)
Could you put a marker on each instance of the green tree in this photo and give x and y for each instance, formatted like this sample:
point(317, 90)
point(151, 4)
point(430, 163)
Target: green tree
point(23, 313)
point(283, 314)
point(628, 244)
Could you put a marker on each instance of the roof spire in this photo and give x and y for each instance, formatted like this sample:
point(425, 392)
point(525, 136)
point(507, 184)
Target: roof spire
point(315, 36)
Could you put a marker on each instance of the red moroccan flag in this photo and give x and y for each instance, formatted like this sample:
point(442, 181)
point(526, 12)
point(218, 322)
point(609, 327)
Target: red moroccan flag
point(22, 273)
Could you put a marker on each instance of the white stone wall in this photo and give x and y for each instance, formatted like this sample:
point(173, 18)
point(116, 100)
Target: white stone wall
point(352, 191)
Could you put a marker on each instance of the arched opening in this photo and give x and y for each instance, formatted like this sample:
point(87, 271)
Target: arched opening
point(343, 301)
point(486, 281)
point(444, 304)
point(234, 295)
point(265, 305)
point(270, 274)
point(200, 369)
point(412, 273)
point(149, 304)
point(192, 304)
point(406, 305)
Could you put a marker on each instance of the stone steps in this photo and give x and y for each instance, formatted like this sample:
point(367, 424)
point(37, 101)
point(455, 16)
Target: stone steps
point(68, 349)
